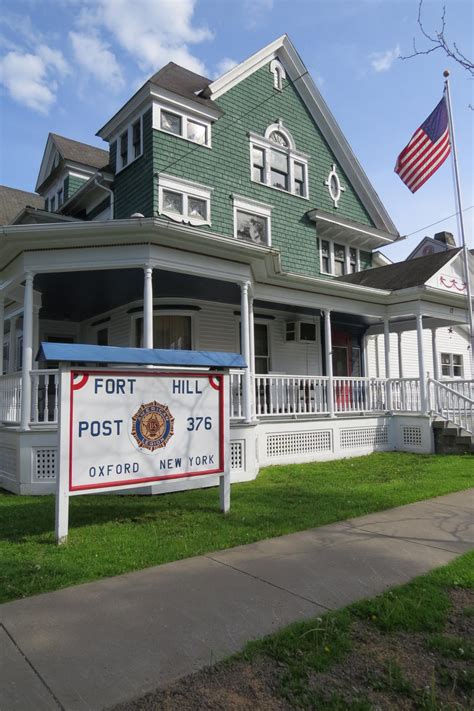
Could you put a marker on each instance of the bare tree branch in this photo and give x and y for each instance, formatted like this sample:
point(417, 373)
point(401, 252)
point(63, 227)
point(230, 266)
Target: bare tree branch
point(439, 41)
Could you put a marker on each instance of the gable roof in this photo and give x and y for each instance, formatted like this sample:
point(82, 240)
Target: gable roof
point(402, 275)
point(283, 49)
point(80, 152)
point(83, 154)
point(12, 201)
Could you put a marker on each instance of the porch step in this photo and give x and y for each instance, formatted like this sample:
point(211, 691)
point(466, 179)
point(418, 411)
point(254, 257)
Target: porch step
point(451, 439)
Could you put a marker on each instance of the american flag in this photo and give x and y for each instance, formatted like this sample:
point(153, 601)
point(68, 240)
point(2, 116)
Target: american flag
point(428, 149)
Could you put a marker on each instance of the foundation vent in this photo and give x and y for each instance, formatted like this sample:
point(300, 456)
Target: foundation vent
point(364, 437)
point(412, 436)
point(44, 464)
point(237, 455)
point(290, 443)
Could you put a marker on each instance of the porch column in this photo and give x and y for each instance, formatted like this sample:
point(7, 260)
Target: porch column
point(27, 360)
point(435, 354)
point(252, 353)
point(12, 346)
point(35, 333)
point(400, 355)
point(245, 339)
point(328, 357)
point(148, 308)
point(2, 330)
point(421, 364)
point(386, 333)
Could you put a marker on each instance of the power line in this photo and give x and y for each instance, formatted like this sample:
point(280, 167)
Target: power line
point(218, 132)
point(438, 221)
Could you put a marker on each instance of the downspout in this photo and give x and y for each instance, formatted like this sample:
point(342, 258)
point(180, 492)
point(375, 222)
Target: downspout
point(111, 193)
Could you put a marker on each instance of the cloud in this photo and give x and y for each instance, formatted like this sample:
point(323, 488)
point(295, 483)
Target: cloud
point(32, 78)
point(97, 59)
point(225, 65)
point(382, 61)
point(255, 12)
point(153, 32)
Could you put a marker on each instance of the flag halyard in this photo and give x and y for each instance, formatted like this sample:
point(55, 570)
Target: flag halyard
point(427, 150)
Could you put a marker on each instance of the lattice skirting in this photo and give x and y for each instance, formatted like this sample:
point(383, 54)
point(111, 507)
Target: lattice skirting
point(237, 455)
point(283, 444)
point(364, 437)
point(44, 463)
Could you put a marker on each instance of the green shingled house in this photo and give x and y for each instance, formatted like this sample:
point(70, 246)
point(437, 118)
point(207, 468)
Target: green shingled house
point(224, 215)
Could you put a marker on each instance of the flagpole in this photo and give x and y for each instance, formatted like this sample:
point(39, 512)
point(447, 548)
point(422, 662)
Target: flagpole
point(457, 191)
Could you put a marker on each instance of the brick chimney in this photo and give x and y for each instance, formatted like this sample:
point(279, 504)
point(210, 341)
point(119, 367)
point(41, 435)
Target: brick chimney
point(445, 238)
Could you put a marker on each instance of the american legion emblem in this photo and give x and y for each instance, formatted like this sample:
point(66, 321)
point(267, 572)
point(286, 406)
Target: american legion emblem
point(152, 425)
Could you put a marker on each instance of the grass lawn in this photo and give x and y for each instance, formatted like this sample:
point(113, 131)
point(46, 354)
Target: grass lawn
point(410, 648)
point(110, 535)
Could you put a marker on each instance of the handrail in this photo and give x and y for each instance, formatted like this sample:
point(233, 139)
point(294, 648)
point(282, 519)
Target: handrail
point(451, 405)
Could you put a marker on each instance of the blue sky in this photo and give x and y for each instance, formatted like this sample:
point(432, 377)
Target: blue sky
point(67, 65)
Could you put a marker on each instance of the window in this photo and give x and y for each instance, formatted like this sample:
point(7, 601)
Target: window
point(171, 332)
point(184, 201)
point(52, 204)
point(177, 123)
point(451, 365)
point(262, 355)
point(60, 198)
point(137, 138)
point(338, 259)
point(130, 144)
point(252, 221)
point(276, 163)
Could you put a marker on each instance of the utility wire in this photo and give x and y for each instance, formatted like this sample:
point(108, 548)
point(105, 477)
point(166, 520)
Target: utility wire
point(438, 221)
point(217, 132)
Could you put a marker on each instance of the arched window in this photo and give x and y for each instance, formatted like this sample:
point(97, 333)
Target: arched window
point(277, 163)
point(279, 74)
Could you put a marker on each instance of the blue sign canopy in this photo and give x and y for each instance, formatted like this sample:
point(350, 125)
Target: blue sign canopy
point(84, 353)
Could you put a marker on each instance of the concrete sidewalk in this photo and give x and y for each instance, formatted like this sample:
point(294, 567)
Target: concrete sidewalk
point(95, 645)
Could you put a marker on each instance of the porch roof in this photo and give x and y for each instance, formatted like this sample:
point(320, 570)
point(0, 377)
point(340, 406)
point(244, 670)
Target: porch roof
point(84, 353)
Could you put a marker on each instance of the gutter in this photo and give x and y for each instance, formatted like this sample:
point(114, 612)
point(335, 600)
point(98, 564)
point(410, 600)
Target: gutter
point(110, 191)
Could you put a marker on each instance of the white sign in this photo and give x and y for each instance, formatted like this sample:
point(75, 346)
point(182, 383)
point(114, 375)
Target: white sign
point(126, 428)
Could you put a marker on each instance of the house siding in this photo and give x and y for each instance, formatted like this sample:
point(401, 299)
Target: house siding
point(134, 185)
point(226, 168)
point(71, 184)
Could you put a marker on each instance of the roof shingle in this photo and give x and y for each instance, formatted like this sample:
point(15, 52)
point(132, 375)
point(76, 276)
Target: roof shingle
point(81, 152)
point(13, 200)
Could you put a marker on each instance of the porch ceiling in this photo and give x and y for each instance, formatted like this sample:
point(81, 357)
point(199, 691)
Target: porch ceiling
point(76, 296)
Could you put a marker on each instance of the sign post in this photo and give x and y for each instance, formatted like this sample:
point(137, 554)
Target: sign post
point(123, 429)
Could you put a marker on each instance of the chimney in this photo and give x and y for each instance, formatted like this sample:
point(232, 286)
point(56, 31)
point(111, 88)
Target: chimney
point(445, 238)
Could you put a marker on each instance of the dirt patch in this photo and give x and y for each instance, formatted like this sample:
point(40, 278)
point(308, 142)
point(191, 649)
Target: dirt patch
point(382, 671)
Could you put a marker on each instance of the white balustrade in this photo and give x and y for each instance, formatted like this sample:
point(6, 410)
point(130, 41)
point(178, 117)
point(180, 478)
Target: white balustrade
point(405, 394)
point(450, 405)
point(359, 395)
point(236, 395)
point(290, 395)
point(10, 398)
point(44, 396)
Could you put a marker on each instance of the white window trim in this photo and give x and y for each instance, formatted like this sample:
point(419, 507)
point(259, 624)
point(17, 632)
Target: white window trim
point(451, 365)
point(185, 117)
point(294, 156)
point(187, 189)
point(252, 207)
point(128, 129)
point(347, 263)
point(163, 311)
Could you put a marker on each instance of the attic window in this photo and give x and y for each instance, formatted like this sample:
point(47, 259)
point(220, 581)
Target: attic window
point(179, 124)
point(279, 74)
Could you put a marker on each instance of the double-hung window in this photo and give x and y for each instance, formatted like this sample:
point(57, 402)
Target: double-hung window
point(124, 149)
point(275, 162)
point(338, 259)
point(183, 200)
point(137, 138)
point(130, 144)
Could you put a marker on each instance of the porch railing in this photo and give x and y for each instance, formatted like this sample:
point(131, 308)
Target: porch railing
point(451, 405)
point(44, 396)
point(405, 394)
point(290, 395)
point(10, 398)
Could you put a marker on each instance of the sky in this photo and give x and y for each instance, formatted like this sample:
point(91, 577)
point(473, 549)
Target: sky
point(66, 66)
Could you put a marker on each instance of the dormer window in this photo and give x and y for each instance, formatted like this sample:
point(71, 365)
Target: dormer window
point(182, 125)
point(275, 162)
point(130, 144)
point(279, 74)
point(137, 138)
point(124, 149)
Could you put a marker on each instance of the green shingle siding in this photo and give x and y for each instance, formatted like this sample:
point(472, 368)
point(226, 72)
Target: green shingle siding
point(134, 185)
point(226, 168)
point(71, 184)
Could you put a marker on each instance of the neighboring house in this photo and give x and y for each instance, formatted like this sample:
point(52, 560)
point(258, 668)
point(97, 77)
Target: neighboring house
point(227, 215)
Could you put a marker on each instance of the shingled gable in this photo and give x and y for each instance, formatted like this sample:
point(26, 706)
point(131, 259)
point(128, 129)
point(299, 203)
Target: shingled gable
point(283, 49)
point(402, 275)
point(72, 151)
point(13, 201)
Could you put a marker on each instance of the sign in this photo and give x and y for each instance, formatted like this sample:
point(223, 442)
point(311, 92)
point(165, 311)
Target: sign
point(127, 428)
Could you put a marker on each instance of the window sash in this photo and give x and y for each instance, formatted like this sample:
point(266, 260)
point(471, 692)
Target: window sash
point(252, 227)
point(174, 121)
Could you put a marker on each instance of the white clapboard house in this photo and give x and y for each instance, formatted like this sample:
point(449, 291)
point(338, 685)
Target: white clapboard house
point(229, 215)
